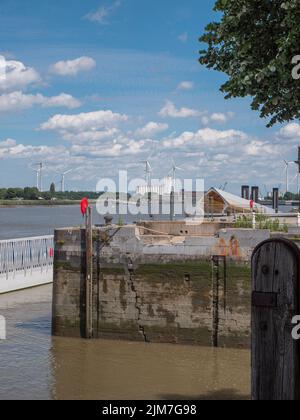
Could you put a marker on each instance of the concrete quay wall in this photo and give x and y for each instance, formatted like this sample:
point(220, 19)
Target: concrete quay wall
point(156, 289)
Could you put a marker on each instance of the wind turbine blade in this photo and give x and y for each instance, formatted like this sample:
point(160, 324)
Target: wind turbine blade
point(293, 180)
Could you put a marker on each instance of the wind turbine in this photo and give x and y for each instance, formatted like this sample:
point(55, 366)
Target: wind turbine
point(173, 171)
point(63, 178)
point(38, 168)
point(148, 171)
point(287, 164)
point(37, 178)
point(223, 186)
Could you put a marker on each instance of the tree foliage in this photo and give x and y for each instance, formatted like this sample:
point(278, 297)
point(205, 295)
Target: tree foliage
point(254, 43)
point(52, 189)
point(33, 194)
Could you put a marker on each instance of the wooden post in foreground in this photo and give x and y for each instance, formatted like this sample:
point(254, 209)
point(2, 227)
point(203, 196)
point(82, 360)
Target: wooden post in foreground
point(89, 274)
point(275, 302)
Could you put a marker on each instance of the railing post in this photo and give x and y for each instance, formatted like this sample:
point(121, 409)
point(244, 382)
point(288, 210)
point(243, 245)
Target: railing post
point(275, 302)
point(25, 254)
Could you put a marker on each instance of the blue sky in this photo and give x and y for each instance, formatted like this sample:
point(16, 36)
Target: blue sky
point(98, 86)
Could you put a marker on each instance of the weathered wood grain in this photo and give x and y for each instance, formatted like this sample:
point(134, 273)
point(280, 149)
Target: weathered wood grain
point(275, 301)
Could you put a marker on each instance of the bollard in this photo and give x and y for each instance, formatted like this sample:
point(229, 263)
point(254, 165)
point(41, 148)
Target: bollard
point(254, 220)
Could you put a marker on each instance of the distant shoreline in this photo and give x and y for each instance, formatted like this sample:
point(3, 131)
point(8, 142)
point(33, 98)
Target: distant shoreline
point(43, 203)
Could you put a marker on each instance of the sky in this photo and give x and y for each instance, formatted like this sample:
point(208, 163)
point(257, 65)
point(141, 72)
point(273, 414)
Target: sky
point(99, 86)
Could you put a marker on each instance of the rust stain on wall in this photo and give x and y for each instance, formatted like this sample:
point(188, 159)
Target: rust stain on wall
point(234, 247)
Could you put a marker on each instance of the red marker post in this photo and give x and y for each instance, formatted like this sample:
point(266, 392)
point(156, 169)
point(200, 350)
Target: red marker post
point(84, 205)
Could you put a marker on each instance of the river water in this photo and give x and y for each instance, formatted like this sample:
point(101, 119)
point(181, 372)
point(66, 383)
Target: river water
point(19, 222)
point(34, 365)
point(26, 221)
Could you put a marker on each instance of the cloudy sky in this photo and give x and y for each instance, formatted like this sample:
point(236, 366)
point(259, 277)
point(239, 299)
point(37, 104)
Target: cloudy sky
point(99, 86)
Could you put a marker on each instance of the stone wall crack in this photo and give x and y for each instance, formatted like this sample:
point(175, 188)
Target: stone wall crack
point(138, 307)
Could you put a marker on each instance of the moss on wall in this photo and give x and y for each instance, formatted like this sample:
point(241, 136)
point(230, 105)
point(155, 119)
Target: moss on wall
point(159, 302)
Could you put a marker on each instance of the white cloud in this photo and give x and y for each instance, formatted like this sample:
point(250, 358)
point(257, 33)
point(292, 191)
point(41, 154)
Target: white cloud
point(217, 117)
point(90, 136)
point(186, 85)
point(216, 155)
point(170, 111)
point(73, 67)
point(221, 157)
point(84, 122)
point(11, 149)
point(18, 101)
point(261, 148)
point(290, 131)
point(119, 148)
point(15, 75)
point(206, 138)
point(97, 152)
point(151, 129)
point(7, 143)
point(102, 13)
point(183, 37)
point(62, 100)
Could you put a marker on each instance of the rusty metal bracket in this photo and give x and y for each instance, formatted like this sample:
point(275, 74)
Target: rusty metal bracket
point(264, 300)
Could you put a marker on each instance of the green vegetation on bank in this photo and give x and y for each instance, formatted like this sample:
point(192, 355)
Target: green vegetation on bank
point(262, 222)
point(31, 195)
point(289, 196)
point(14, 203)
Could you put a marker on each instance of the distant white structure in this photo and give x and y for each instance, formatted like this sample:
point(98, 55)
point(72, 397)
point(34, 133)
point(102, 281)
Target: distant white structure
point(63, 179)
point(38, 169)
point(162, 188)
point(219, 202)
point(2, 328)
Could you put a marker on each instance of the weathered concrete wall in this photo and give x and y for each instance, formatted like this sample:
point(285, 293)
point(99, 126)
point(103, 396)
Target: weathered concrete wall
point(149, 292)
point(172, 302)
point(182, 228)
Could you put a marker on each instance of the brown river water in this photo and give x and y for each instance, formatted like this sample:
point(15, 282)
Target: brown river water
point(34, 365)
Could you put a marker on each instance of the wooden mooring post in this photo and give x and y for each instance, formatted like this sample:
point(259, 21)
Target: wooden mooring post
point(89, 274)
point(217, 276)
point(275, 302)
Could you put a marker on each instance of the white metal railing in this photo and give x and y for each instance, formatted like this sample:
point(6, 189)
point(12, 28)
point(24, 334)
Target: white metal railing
point(26, 255)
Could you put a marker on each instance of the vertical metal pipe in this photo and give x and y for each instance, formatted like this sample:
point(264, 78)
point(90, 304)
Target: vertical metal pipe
point(276, 199)
point(215, 299)
point(246, 192)
point(225, 282)
point(172, 204)
point(89, 274)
